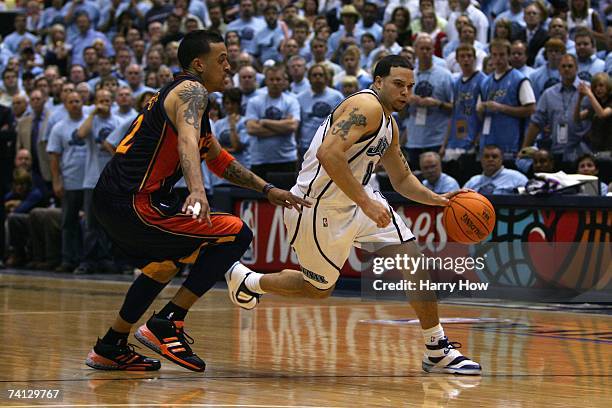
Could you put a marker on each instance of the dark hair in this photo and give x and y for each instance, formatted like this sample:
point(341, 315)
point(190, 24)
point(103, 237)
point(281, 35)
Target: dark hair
point(587, 156)
point(383, 67)
point(232, 95)
point(194, 44)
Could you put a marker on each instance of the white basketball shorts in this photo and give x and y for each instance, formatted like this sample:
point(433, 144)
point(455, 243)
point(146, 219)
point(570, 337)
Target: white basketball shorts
point(322, 237)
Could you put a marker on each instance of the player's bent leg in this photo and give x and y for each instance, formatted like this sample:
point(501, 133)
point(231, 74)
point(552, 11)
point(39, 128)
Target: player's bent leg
point(164, 332)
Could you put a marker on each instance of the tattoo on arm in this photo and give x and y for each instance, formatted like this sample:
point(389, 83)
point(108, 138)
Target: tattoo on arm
point(403, 159)
point(343, 127)
point(195, 97)
point(185, 163)
point(239, 175)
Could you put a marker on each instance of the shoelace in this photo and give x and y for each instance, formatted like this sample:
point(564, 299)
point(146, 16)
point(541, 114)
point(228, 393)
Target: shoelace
point(180, 332)
point(130, 350)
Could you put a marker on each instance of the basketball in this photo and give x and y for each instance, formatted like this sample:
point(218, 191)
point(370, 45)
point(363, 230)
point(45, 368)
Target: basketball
point(469, 218)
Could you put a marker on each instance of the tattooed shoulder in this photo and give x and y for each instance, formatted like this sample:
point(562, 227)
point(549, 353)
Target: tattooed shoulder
point(342, 127)
point(194, 98)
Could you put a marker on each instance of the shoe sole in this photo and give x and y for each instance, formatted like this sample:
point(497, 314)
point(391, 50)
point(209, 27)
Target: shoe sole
point(146, 337)
point(97, 362)
point(232, 294)
point(446, 370)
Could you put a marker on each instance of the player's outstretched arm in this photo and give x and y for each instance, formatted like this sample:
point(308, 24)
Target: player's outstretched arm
point(224, 165)
point(401, 177)
point(355, 118)
point(187, 104)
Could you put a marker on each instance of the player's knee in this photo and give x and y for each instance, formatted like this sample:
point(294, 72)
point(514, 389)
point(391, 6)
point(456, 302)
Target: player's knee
point(244, 238)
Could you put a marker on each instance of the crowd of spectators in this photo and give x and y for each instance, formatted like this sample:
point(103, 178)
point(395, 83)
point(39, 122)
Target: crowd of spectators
point(504, 89)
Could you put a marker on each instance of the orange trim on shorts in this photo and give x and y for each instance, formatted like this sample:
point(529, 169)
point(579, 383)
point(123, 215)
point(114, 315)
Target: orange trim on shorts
point(161, 271)
point(224, 226)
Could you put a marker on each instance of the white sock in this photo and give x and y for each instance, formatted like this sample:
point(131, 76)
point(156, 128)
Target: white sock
point(252, 282)
point(432, 335)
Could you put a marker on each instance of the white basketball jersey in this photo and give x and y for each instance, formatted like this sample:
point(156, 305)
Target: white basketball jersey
point(314, 182)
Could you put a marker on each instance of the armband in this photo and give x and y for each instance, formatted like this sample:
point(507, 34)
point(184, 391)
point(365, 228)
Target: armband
point(220, 163)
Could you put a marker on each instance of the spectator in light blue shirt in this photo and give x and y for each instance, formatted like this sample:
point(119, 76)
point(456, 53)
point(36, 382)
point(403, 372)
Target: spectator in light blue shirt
point(231, 131)
point(51, 15)
point(518, 58)
point(430, 105)
point(555, 110)
point(272, 118)
point(588, 63)
point(268, 39)
point(94, 131)
point(315, 104)
point(247, 25)
point(548, 74)
point(368, 24)
point(67, 157)
point(297, 72)
point(433, 178)
point(11, 42)
point(85, 37)
point(347, 34)
point(495, 179)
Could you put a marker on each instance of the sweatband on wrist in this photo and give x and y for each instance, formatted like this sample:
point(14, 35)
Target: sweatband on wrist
point(220, 163)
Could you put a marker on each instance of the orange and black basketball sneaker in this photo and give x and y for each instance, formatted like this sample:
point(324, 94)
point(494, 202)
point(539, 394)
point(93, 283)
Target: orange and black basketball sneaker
point(123, 357)
point(168, 338)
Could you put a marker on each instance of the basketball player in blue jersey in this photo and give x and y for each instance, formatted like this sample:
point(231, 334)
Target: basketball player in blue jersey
point(337, 167)
point(150, 225)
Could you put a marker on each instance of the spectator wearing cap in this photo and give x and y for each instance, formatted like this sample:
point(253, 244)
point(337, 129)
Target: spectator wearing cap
point(556, 29)
point(368, 24)
point(518, 58)
point(548, 75)
point(297, 74)
point(85, 38)
point(430, 105)
point(389, 42)
point(588, 63)
point(433, 178)
point(247, 25)
point(350, 63)
point(316, 104)
point(12, 41)
point(555, 111)
point(347, 34)
point(495, 178)
point(268, 39)
point(272, 118)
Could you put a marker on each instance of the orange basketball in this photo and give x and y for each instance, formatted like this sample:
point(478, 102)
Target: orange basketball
point(469, 218)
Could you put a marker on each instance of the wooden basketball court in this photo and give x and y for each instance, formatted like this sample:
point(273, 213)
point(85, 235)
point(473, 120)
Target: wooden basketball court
point(340, 352)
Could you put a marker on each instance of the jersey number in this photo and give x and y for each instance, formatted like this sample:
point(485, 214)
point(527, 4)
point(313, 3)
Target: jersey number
point(127, 142)
point(368, 174)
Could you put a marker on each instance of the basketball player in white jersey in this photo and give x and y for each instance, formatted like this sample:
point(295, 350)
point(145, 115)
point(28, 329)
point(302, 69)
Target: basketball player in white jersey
point(347, 212)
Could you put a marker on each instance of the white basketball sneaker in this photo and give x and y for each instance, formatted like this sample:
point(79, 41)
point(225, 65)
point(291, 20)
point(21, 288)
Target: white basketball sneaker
point(445, 359)
point(239, 294)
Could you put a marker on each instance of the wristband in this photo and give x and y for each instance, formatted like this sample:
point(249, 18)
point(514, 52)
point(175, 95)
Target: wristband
point(267, 188)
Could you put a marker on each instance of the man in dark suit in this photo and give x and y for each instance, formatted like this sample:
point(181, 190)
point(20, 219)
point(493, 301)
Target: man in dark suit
point(30, 130)
point(534, 34)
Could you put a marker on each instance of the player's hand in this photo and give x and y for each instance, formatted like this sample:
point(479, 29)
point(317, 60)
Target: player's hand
point(377, 212)
point(284, 198)
point(102, 109)
point(447, 196)
point(197, 206)
point(429, 102)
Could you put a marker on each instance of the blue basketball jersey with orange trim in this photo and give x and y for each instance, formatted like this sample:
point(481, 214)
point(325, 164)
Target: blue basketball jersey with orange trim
point(147, 158)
